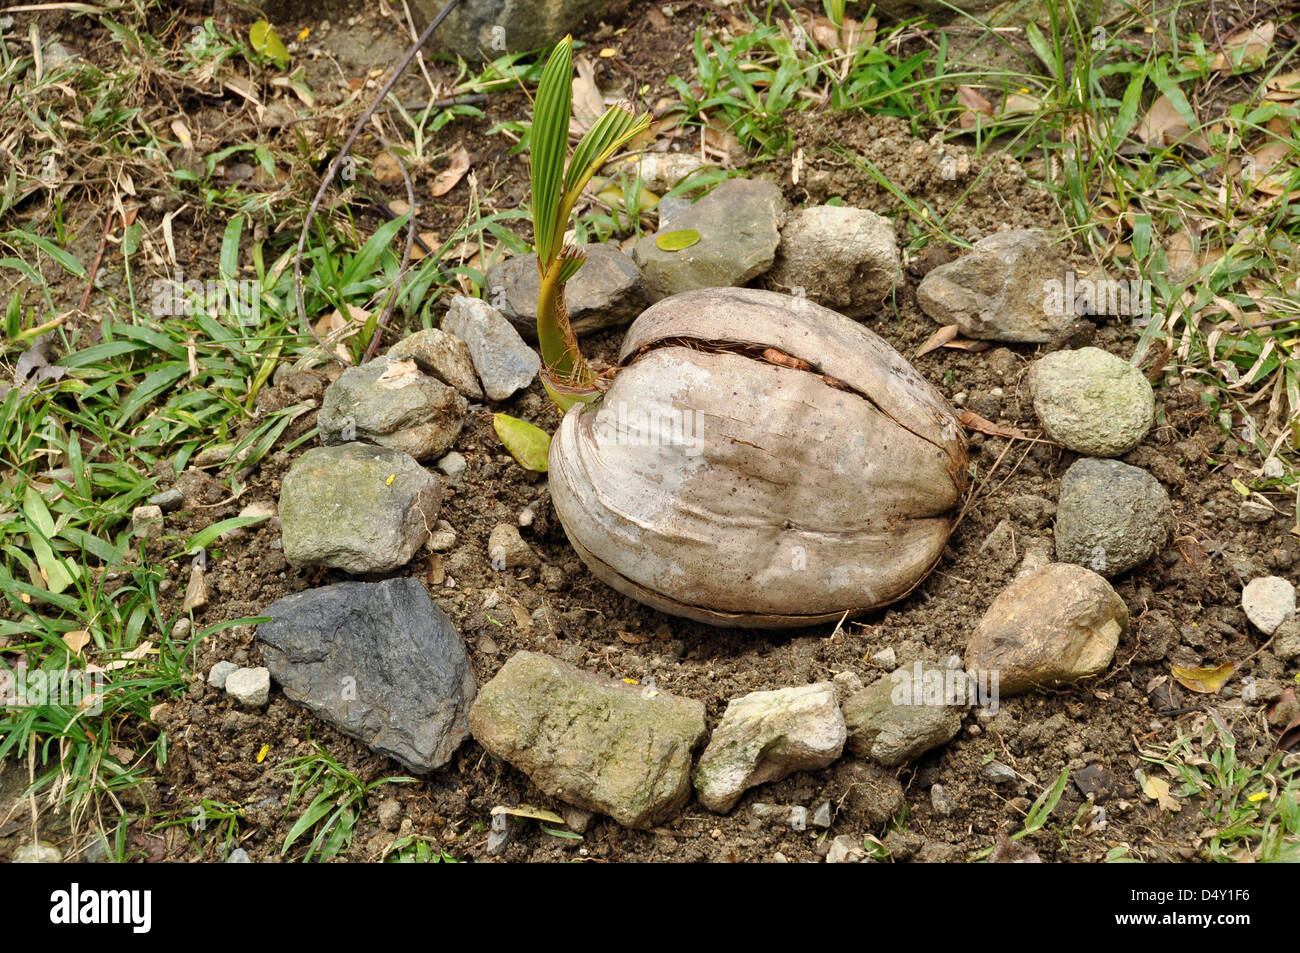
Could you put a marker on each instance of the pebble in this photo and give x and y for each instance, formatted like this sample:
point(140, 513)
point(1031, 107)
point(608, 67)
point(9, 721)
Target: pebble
point(220, 672)
point(821, 815)
point(886, 658)
point(181, 629)
point(238, 856)
point(147, 521)
point(441, 355)
point(168, 500)
point(507, 549)
point(1268, 602)
point(453, 464)
point(897, 718)
point(251, 687)
point(1111, 517)
point(503, 361)
point(846, 849)
point(41, 852)
point(940, 801)
point(999, 773)
point(443, 538)
point(1092, 402)
point(606, 292)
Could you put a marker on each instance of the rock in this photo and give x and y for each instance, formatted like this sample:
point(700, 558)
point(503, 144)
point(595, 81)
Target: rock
point(577, 820)
point(1286, 640)
point(147, 521)
point(390, 814)
point(238, 856)
point(1253, 512)
point(937, 852)
point(378, 661)
point(1095, 782)
point(507, 549)
point(738, 224)
point(1050, 627)
point(265, 511)
point(999, 773)
point(181, 629)
point(503, 361)
point(660, 172)
point(168, 500)
point(846, 849)
point(886, 658)
point(846, 683)
point(356, 507)
point(1268, 602)
point(940, 801)
point(821, 815)
point(499, 838)
point(41, 852)
point(903, 845)
point(1092, 402)
point(871, 795)
point(443, 538)
point(1111, 517)
point(999, 290)
point(392, 404)
point(898, 718)
point(441, 355)
point(605, 293)
point(218, 674)
point(841, 257)
point(486, 29)
point(251, 687)
point(668, 209)
point(453, 464)
point(196, 590)
point(766, 736)
point(591, 741)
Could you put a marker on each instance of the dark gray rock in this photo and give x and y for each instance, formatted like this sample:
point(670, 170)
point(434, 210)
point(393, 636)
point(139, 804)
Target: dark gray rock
point(378, 661)
point(605, 293)
point(503, 361)
point(1110, 517)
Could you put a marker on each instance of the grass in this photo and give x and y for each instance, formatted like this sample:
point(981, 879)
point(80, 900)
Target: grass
point(131, 392)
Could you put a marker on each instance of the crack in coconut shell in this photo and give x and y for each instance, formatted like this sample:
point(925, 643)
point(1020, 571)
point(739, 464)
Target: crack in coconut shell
point(722, 485)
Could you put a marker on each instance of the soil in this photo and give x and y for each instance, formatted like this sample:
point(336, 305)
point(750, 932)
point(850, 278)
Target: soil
point(1185, 603)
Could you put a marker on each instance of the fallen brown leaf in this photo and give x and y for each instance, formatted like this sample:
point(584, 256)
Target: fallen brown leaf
point(973, 421)
point(447, 179)
point(937, 340)
point(1245, 51)
point(1207, 681)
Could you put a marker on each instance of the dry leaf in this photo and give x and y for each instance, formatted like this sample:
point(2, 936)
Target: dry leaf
point(937, 340)
point(447, 179)
point(1246, 51)
point(1283, 88)
point(588, 103)
point(1162, 125)
point(1158, 790)
point(385, 168)
point(973, 421)
point(1203, 680)
point(1019, 103)
point(975, 105)
point(632, 639)
point(76, 641)
point(122, 661)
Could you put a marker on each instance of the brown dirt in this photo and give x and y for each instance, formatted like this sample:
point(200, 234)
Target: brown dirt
point(1185, 603)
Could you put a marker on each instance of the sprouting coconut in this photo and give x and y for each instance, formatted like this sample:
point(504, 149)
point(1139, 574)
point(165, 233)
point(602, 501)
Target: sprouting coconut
point(753, 459)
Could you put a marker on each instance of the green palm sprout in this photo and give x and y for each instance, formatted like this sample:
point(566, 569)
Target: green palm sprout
point(556, 187)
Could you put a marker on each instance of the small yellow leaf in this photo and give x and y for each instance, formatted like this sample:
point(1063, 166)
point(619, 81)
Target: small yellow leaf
point(1203, 680)
point(677, 240)
point(76, 641)
point(630, 681)
point(389, 481)
point(528, 444)
point(261, 755)
point(1257, 797)
point(263, 38)
point(304, 33)
point(608, 52)
point(1240, 487)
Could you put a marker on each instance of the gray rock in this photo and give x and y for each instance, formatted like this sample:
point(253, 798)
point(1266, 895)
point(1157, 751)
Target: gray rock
point(591, 741)
point(453, 464)
point(356, 507)
point(238, 856)
point(1111, 517)
point(168, 500)
point(443, 538)
point(738, 224)
point(440, 355)
point(1286, 640)
point(940, 801)
point(378, 661)
point(390, 814)
point(841, 257)
point(821, 815)
point(605, 293)
point(1092, 402)
point(486, 29)
point(218, 674)
point(251, 687)
point(1053, 626)
point(662, 171)
point(507, 549)
point(41, 852)
point(999, 291)
point(1268, 602)
point(898, 718)
point(999, 773)
point(392, 404)
point(147, 521)
point(499, 838)
point(766, 736)
point(668, 209)
point(503, 361)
